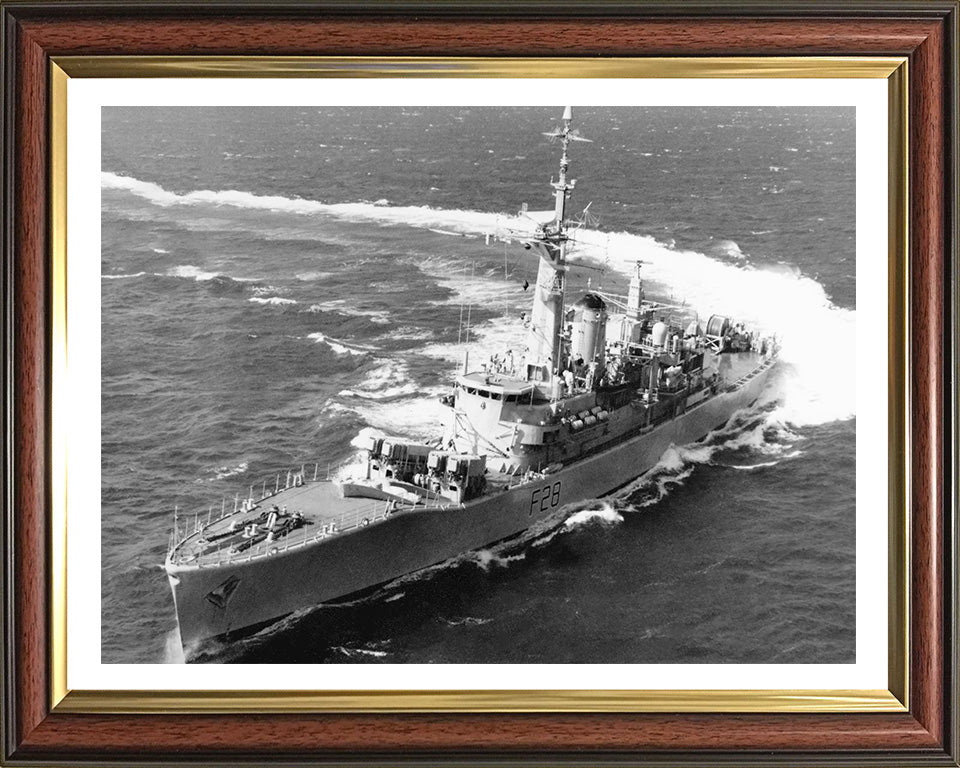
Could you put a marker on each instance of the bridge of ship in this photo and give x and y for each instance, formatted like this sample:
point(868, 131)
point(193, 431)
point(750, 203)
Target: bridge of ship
point(497, 387)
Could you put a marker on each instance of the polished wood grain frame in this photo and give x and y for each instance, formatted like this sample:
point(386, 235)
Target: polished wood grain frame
point(893, 698)
point(35, 35)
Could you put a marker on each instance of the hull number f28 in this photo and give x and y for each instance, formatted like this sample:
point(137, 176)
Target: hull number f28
point(545, 498)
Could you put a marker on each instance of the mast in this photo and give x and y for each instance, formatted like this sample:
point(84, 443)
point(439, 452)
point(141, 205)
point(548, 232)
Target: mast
point(546, 327)
point(635, 294)
point(561, 188)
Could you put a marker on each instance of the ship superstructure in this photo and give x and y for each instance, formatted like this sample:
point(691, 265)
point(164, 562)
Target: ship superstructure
point(601, 390)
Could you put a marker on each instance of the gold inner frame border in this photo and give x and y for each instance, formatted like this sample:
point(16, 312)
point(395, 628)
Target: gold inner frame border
point(893, 699)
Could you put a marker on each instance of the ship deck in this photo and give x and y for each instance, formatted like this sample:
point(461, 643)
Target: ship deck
point(323, 512)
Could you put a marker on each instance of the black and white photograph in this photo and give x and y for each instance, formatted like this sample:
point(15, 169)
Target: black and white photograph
point(478, 385)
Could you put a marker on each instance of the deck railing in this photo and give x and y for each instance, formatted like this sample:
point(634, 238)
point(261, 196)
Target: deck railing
point(360, 517)
point(187, 525)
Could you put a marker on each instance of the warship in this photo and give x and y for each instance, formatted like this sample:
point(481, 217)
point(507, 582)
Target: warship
point(603, 388)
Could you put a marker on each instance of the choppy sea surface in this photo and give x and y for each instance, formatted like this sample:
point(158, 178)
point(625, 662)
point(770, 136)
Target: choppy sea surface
point(276, 281)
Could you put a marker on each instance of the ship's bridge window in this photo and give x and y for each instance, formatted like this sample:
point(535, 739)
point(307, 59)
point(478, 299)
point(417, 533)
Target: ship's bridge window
point(510, 398)
point(483, 393)
point(471, 390)
point(494, 395)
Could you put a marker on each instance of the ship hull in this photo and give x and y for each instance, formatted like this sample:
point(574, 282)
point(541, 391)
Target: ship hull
point(219, 601)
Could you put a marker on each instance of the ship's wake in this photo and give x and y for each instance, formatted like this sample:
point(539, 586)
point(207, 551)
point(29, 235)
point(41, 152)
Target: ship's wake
point(362, 653)
point(604, 514)
point(816, 336)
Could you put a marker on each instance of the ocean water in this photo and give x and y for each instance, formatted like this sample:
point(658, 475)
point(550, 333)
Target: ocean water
point(277, 281)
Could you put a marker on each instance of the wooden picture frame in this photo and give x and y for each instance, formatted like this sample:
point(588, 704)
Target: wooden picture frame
point(41, 727)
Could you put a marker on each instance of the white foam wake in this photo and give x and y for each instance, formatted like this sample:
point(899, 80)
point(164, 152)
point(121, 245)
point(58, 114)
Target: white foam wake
point(490, 558)
point(413, 418)
point(358, 652)
point(388, 381)
point(343, 307)
point(188, 270)
point(490, 290)
point(418, 216)
point(222, 473)
point(276, 301)
point(338, 346)
point(391, 402)
point(604, 514)
point(756, 431)
point(172, 650)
